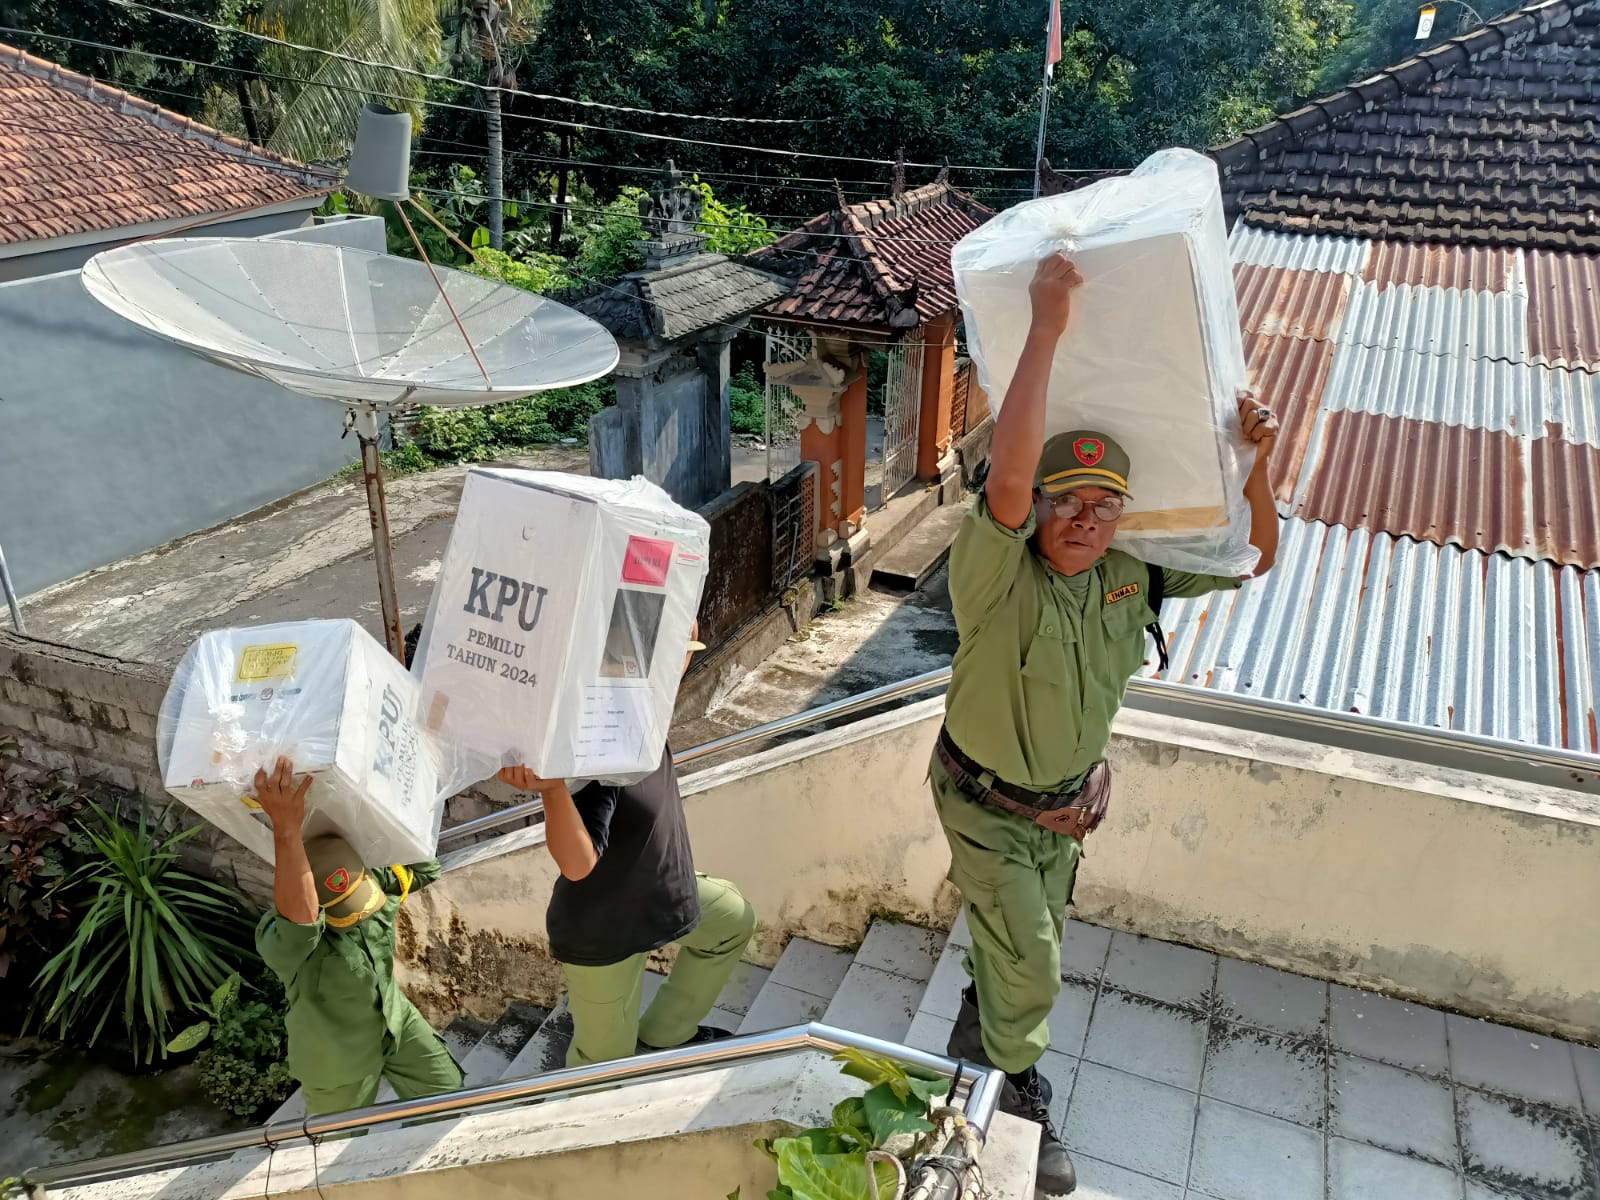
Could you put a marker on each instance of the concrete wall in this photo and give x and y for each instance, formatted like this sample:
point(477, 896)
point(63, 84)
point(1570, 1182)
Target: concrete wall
point(113, 441)
point(1474, 894)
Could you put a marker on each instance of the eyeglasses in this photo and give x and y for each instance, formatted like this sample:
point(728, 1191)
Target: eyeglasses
point(1109, 508)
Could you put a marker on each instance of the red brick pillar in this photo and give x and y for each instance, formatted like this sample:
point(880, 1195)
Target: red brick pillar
point(826, 450)
point(938, 387)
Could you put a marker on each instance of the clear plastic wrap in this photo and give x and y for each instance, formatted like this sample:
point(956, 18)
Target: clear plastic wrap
point(328, 696)
point(1152, 355)
point(556, 634)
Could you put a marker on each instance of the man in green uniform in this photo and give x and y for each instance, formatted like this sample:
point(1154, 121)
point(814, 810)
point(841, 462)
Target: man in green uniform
point(331, 941)
point(1052, 625)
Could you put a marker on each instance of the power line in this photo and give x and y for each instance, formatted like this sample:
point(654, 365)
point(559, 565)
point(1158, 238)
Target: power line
point(450, 79)
point(578, 125)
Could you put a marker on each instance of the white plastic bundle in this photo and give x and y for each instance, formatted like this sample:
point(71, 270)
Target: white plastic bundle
point(1152, 355)
point(328, 696)
point(556, 634)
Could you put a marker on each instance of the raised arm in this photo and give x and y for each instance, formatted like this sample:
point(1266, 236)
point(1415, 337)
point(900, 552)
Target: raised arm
point(1261, 428)
point(1019, 429)
point(294, 891)
point(565, 833)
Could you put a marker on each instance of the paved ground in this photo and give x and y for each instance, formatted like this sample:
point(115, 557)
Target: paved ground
point(56, 1106)
point(1183, 1076)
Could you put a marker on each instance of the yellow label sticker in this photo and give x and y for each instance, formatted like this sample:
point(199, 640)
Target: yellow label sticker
point(1122, 593)
point(260, 664)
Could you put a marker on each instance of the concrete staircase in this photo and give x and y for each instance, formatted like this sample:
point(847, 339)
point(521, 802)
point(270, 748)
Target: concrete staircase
point(903, 985)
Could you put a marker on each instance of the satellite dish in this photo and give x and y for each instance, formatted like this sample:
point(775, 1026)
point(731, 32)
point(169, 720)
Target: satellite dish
point(351, 325)
point(369, 330)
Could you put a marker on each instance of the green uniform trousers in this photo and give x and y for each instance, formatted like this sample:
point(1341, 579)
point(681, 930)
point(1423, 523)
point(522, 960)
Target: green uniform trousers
point(416, 1064)
point(1016, 882)
point(605, 1000)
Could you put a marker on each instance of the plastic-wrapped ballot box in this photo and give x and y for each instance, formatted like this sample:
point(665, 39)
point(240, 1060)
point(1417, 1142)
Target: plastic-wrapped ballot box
point(1152, 354)
point(558, 626)
point(326, 694)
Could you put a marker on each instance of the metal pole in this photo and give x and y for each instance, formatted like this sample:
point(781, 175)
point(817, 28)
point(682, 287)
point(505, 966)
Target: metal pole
point(1044, 99)
point(11, 594)
point(366, 425)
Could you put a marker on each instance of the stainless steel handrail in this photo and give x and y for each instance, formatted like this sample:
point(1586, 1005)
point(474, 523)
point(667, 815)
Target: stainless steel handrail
point(847, 707)
point(977, 1091)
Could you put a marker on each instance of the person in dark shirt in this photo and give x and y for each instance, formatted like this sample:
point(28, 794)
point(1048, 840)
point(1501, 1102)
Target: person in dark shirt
point(628, 886)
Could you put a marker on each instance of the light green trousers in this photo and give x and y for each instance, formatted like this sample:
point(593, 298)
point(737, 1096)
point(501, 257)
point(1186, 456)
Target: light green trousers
point(418, 1064)
point(1016, 882)
point(605, 1000)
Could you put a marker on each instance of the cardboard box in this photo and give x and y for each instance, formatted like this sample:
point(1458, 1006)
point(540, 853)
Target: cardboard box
point(1152, 355)
point(559, 623)
point(329, 696)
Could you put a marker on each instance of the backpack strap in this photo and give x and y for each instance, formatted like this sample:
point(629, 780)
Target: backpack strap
point(1158, 593)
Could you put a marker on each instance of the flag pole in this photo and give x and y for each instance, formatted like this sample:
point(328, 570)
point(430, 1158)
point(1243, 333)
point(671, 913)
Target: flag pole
point(1044, 97)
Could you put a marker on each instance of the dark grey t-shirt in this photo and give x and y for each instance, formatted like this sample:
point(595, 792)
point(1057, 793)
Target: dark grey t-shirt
point(642, 893)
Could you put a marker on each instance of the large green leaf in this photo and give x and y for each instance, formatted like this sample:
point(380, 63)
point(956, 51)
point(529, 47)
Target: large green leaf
point(813, 1176)
point(889, 1115)
point(189, 1038)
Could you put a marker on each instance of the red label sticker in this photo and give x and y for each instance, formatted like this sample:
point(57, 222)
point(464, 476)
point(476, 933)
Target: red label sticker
point(646, 561)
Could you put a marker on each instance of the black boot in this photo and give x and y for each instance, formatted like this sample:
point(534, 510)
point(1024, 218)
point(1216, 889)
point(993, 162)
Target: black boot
point(966, 1039)
point(1025, 1096)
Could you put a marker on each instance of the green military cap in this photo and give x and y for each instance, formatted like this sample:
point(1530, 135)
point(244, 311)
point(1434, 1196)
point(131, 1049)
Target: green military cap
point(345, 890)
point(1082, 458)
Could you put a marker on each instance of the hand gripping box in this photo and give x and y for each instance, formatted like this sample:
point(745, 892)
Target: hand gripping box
point(1152, 355)
point(331, 698)
point(557, 630)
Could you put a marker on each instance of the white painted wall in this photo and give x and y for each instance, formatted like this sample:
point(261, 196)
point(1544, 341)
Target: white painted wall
point(1471, 893)
point(113, 441)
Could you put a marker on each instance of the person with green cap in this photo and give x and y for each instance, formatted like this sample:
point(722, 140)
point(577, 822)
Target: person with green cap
point(330, 938)
point(628, 887)
point(1052, 624)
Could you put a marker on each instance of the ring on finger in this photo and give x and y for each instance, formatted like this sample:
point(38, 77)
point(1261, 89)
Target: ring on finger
point(1264, 413)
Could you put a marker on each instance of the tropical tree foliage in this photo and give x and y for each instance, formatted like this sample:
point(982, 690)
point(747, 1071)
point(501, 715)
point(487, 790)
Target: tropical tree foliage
point(1383, 32)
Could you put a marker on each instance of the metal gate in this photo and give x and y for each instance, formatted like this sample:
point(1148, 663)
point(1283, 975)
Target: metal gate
point(783, 407)
point(902, 406)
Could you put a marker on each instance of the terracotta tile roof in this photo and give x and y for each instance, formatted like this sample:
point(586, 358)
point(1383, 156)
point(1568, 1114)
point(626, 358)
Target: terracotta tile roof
point(78, 157)
point(1487, 139)
point(678, 300)
point(882, 264)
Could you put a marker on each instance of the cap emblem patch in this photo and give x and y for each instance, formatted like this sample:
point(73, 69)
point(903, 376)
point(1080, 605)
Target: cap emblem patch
point(1089, 451)
point(339, 882)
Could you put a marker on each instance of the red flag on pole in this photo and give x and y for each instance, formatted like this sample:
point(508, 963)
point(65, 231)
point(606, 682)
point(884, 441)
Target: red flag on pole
point(1052, 54)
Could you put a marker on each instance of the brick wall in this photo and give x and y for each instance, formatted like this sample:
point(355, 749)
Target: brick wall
point(92, 718)
point(740, 581)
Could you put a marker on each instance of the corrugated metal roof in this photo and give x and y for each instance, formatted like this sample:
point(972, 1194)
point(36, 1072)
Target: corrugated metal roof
point(1300, 252)
point(1357, 621)
point(1483, 393)
point(1437, 321)
point(1302, 304)
point(1564, 308)
point(1468, 268)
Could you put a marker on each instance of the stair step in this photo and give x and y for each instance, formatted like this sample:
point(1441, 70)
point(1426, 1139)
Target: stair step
point(546, 1050)
point(883, 988)
point(798, 989)
point(921, 552)
point(502, 1043)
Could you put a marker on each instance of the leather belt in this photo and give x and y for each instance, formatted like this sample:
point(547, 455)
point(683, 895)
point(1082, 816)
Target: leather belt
point(979, 783)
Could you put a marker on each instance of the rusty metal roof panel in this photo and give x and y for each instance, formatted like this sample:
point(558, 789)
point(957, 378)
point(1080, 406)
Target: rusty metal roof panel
point(1355, 621)
point(1431, 264)
point(1564, 308)
point(1301, 252)
point(1303, 304)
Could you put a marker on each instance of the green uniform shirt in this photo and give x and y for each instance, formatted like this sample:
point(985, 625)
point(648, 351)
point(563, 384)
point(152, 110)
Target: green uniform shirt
point(1045, 658)
point(340, 985)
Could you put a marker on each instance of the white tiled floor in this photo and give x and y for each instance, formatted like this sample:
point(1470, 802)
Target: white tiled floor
point(1182, 1077)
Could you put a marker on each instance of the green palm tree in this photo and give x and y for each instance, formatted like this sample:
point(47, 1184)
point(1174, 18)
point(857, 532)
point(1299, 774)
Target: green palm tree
point(483, 34)
point(314, 111)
